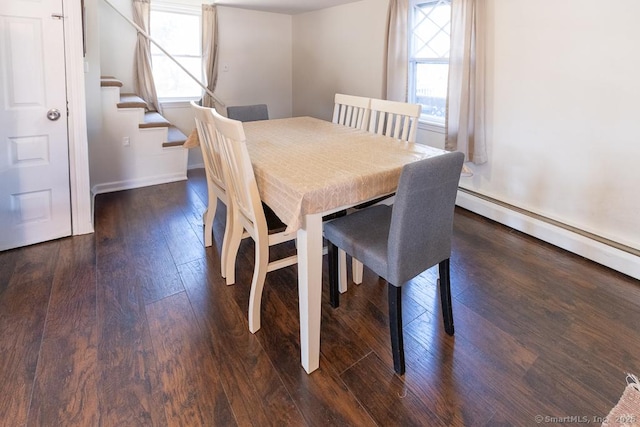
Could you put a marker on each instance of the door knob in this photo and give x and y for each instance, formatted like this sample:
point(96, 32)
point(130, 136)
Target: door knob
point(53, 114)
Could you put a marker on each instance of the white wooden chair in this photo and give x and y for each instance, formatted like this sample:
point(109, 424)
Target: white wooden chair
point(247, 213)
point(216, 187)
point(352, 111)
point(395, 119)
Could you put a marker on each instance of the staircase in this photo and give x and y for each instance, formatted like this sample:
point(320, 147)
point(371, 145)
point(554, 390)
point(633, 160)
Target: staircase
point(138, 147)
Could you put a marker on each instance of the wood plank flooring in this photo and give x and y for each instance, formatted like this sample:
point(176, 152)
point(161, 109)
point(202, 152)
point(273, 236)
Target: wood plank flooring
point(133, 326)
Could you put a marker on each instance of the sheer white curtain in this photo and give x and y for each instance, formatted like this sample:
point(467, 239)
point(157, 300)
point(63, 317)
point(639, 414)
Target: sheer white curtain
point(397, 51)
point(144, 84)
point(210, 51)
point(465, 120)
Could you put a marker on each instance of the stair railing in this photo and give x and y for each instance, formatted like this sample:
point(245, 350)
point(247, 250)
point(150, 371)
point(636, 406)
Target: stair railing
point(148, 37)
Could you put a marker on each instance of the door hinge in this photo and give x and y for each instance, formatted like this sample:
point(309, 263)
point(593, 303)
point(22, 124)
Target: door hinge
point(57, 15)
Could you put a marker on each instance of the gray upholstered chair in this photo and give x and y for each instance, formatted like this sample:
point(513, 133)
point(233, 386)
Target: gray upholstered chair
point(398, 242)
point(248, 113)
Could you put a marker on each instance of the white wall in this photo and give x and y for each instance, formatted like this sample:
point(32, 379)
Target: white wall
point(339, 49)
point(92, 68)
point(563, 113)
point(562, 109)
point(117, 42)
point(256, 48)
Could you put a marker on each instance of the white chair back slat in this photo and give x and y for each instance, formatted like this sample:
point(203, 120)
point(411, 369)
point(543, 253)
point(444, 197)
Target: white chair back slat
point(349, 117)
point(377, 122)
point(344, 114)
point(336, 113)
point(396, 119)
point(351, 111)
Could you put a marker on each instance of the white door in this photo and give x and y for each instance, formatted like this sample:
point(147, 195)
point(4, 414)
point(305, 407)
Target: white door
point(34, 156)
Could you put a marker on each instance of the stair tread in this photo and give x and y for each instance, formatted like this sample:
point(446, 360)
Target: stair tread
point(175, 137)
point(110, 82)
point(131, 100)
point(154, 119)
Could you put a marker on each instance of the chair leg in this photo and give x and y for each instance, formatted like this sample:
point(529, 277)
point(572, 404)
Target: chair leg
point(226, 241)
point(235, 237)
point(207, 219)
point(445, 296)
point(342, 255)
point(334, 291)
point(356, 270)
point(395, 326)
point(257, 283)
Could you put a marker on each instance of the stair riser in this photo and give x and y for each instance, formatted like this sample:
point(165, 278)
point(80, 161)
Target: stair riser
point(129, 157)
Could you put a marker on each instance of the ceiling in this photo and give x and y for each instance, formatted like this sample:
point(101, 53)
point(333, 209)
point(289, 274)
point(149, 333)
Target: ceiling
point(290, 7)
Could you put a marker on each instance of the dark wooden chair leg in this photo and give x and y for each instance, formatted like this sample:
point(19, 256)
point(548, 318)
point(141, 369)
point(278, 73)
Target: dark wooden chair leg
point(334, 292)
point(395, 326)
point(445, 296)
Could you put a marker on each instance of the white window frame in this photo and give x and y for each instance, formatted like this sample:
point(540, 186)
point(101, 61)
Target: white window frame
point(185, 9)
point(427, 121)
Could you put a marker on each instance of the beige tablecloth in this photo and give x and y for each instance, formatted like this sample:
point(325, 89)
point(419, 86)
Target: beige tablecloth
point(305, 165)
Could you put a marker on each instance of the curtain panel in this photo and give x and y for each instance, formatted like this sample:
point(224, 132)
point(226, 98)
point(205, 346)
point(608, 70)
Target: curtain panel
point(397, 83)
point(210, 51)
point(143, 76)
point(465, 120)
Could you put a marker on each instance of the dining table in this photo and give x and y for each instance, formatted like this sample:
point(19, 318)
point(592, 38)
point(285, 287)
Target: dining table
point(307, 168)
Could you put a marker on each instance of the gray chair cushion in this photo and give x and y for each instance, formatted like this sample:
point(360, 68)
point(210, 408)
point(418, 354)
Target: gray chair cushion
point(363, 235)
point(248, 113)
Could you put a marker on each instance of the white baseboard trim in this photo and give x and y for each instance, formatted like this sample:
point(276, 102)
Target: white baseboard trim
point(591, 249)
point(109, 187)
point(196, 166)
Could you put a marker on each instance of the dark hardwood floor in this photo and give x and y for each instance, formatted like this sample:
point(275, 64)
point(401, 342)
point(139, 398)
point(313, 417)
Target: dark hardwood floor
point(133, 325)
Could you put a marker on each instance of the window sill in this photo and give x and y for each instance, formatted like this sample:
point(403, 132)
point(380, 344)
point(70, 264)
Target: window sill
point(176, 102)
point(432, 126)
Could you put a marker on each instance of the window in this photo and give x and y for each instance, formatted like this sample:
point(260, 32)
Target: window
point(429, 42)
point(177, 29)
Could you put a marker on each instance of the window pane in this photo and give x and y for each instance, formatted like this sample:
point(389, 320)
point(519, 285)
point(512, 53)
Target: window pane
point(431, 88)
point(429, 56)
point(441, 14)
point(177, 33)
point(431, 29)
point(437, 46)
point(172, 82)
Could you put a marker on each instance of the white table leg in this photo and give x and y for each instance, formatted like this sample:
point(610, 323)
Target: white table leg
point(310, 290)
